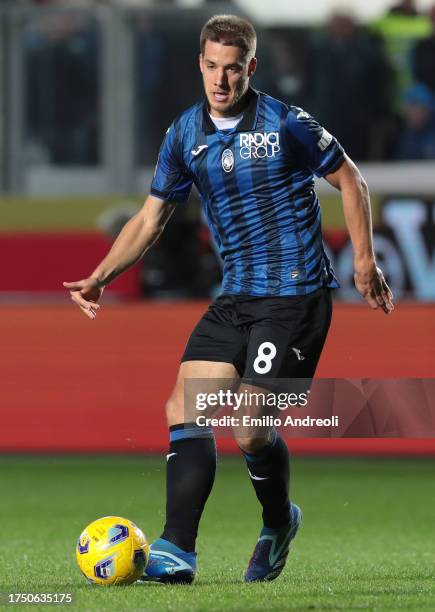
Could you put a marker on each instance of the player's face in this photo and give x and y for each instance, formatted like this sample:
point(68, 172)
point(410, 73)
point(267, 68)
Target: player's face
point(226, 75)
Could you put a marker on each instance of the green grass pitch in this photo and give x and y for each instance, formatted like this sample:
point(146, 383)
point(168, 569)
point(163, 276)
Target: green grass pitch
point(367, 542)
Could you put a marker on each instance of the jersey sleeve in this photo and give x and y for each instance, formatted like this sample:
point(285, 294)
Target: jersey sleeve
point(314, 146)
point(171, 181)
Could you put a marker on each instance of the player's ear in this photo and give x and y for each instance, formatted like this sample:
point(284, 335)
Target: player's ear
point(201, 62)
point(252, 66)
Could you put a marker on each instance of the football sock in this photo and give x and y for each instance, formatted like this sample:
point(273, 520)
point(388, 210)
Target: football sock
point(190, 472)
point(269, 470)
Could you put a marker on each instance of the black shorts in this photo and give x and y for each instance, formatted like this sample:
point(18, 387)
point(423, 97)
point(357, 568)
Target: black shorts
point(270, 337)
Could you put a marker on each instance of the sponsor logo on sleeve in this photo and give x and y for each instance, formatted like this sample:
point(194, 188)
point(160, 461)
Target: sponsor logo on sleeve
point(325, 140)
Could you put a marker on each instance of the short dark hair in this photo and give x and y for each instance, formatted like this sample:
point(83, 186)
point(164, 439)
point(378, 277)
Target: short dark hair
point(230, 30)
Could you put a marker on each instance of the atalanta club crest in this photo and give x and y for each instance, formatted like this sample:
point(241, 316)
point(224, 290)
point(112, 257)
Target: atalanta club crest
point(227, 160)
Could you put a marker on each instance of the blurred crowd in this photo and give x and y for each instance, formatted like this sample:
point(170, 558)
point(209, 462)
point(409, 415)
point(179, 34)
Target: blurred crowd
point(372, 85)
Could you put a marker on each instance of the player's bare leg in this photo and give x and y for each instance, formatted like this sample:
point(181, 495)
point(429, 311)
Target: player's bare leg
point(191, 467)
point(182, 397)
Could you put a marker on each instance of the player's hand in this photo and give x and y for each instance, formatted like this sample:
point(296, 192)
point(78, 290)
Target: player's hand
point(86, 293)
point(370, 282)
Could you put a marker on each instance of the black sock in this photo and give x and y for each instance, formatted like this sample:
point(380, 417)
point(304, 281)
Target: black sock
point(190, 472)
point(269, 470)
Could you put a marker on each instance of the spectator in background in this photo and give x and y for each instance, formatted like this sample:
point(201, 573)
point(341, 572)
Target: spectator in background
point(424, 57)
point(349, 86)
point(417, 136)
point(159, 42)
point(284, 50)
point(401, 27)
point(61, 68)
point(149, 61)
point(405, 7)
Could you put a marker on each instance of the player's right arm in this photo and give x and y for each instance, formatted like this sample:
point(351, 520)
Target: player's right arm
point(171, 185)
point(135, 238)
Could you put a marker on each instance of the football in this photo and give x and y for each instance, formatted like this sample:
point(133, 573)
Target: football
point(112, 551)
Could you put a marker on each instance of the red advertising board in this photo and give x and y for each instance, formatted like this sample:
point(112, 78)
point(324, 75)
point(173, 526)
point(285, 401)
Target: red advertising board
point(69, 384)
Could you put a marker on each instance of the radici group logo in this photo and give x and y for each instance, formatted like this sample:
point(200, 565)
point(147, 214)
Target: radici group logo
point(259, 145)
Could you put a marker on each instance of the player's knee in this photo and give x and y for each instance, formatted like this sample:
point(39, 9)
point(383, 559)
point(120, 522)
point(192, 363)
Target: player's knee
point(252, 445)
point(174, 411)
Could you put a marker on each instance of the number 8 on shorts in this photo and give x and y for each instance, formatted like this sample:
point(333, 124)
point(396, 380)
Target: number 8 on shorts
point(265, 355)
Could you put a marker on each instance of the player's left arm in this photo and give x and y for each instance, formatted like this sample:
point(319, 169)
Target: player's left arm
point(369, 279)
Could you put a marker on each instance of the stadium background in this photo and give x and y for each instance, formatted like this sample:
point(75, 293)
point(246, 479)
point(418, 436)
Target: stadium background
point(87, 94)
point(88, 90)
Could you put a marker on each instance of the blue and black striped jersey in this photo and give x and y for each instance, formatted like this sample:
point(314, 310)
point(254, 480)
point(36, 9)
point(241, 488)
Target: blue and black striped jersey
point(256, 183)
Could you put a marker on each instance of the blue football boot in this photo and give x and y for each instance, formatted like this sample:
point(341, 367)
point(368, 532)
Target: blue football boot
point(169, 564)
point(271, 551)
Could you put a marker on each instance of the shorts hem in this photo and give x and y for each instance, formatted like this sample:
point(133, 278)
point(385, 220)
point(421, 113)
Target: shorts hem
point(185, 358)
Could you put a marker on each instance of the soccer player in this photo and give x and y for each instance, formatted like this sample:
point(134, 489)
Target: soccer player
point(253, 160)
